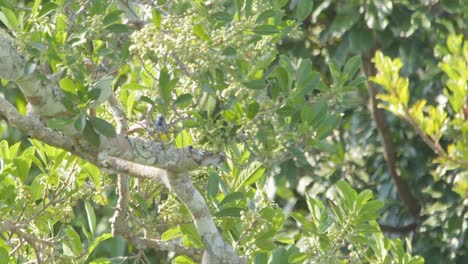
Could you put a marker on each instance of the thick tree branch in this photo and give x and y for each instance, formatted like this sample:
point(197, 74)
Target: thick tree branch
point(386, 137)
point(181, 185)
point(119, 115)
point(120, 226)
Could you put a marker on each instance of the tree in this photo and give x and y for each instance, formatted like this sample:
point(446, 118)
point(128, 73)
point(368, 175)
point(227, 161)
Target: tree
point(221, 141)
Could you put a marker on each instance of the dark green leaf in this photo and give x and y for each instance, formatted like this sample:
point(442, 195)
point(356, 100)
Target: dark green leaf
point(255, 85)
point(90, 134)
point(306, 77)
point(103, 127)
point(286, 110)
point(229, 212)
point(352, 66)
point(117, 28)
point(252, 109)
point(164, 87)
point(303, 9)
point(267, 14)
point(229, 51)
point(112, 17)
point(283, 78)
point(213, 182)
point(266, 30)
point(80, 123)
point(184, 100)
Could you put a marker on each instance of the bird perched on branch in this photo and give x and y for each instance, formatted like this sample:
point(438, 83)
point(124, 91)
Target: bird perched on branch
point(160, 128)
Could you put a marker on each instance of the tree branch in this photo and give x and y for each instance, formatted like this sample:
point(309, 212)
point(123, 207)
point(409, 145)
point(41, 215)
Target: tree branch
point(181, 185)
point(119, 115)
point(399, 229)
point(120, 226)
point(386, 138)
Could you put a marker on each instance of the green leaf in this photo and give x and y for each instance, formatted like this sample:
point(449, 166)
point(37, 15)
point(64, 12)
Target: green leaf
point(8, 17)
point(327, 126)
point(184, 100)
point(274, 215)
point(232, 197)
point(91, 217)
point(306, 77)
point(172, 234)
point(134, 86)
point(183, 260)
point(117, 28)
point(283, 78)
point(229, 51)
point(303, 9)
point(80, 123)
point(347, 193)
point(191, 232)
point(93, 172)
point(164, 86)
point(279, 255)
point(208, 103)
point(229, 212)
point(68, 85)
point(90, 134)
point(47, 8)
point(250, 175)
point(213, 184)
point(266, 30)
point(4, 255)
point(297, 257)
point(255, 84)
point(265, 244)
point(252, 109)
point(183, 139)
point(286, 110)
point(286, 240)
point(112, 17)
point(200, 32)
point(281, 3)
point(102, 126)
point(72, 245)
point(157, 18)
point(59, 122)
point(23, 164)
point(352, 66)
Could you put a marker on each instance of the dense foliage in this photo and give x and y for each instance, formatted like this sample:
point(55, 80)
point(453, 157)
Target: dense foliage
point(286, 92)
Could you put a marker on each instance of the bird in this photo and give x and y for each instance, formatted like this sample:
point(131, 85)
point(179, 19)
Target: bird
point(160, 128)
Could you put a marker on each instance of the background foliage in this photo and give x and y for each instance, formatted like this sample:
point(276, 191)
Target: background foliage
point(280, 87)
